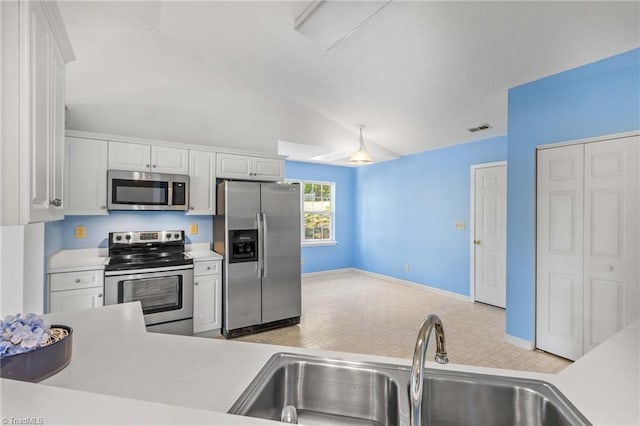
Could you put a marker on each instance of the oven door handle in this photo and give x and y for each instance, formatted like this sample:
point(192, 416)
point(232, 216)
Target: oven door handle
point(260, 239)
point(135, 272)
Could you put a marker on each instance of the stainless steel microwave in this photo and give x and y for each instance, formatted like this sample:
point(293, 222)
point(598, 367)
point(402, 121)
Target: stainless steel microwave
point(147, 191)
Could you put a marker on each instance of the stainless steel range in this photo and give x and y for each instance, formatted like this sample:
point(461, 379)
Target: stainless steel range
point(152, 268)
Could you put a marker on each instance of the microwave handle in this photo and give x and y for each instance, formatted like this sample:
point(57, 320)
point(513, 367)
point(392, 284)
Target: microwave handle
point(169, 194)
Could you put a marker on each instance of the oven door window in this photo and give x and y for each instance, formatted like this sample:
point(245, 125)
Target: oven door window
point(160, 294)
point(141, 192)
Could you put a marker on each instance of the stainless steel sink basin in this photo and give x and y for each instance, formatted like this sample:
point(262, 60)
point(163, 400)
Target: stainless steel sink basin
point(454, 398)
point(324, 392)
point(334, 392)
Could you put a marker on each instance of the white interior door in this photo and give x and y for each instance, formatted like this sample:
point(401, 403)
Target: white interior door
point(611, 238)
point(490, 229)
point(559, 267)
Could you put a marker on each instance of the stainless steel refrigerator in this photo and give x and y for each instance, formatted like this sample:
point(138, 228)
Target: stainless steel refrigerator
point(257, 230)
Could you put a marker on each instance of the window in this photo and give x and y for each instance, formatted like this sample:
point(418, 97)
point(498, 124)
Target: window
point(318, 212)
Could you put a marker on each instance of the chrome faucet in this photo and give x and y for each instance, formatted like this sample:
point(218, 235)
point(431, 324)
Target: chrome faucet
point(417, 369)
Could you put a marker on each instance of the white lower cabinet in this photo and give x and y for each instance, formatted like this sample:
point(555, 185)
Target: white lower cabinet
point(70, 291)
point(207, 293)
point(73, 300)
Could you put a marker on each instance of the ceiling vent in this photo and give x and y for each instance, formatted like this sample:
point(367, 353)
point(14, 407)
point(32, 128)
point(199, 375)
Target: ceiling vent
point(484, 126)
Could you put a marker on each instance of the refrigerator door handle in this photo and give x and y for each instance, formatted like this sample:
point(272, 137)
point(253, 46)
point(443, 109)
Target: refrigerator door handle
point(264, 244)
point(260, 239)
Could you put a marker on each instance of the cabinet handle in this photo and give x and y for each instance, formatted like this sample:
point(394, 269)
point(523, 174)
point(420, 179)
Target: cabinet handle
point(609, 268)
point(155, 165)
point(100, 295)
point(147, 165)
point(56, 203)
point(77, 280)
point(477, 242)
point(103, 207)
point(191, 208)
point(208, 268)
point(195, 283)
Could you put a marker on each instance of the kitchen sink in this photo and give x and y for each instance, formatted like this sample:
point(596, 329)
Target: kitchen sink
point(323, 392)
point(334, 392)
point(454, 398)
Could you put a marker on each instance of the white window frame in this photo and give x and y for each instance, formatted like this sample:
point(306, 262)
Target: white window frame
point(316, 243)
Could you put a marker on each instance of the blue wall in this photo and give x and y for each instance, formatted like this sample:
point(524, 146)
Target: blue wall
point(407, 208)
point(596, 99)
point(98, 228)
point(341, 255)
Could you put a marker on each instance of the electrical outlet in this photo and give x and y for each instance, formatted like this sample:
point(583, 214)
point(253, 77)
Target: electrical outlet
point(460, 226)
point(406, 267)
point(193, 229)
point(81, 231)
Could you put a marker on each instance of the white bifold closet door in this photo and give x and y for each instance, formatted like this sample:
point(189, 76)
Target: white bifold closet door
point(588, 239)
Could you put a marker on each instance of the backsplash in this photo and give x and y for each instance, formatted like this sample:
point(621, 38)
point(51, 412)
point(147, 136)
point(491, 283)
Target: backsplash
point(98, 227)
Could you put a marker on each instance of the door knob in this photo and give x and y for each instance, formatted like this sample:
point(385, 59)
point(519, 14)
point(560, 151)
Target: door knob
point(477, 242)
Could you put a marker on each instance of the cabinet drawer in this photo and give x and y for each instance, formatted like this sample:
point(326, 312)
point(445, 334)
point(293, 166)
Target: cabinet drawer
point(207, 268)
point(76, 280)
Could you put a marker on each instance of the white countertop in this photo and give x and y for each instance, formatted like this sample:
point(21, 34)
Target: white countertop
point(77, 260)
point(119, 372)
point(96, 258)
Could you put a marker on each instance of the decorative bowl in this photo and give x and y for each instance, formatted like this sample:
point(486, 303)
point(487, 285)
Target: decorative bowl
point(40, 363)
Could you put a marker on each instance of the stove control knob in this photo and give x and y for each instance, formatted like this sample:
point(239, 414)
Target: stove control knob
point(176, 236)
point(118, 237)
point(127, 237)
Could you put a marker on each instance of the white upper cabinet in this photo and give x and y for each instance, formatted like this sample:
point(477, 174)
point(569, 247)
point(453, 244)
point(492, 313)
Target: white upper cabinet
point(148, 158)
point(129, 156)
point(38, 163)
point(202, 182)
point(234, 166)
point(169, 160)
point(86, 177)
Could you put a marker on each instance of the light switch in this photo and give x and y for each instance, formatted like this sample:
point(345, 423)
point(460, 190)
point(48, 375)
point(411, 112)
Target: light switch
point(81, 231)
point(460, 226)
point(193, 229)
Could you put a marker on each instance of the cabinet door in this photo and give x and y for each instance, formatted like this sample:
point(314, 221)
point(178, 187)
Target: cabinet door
point(202, 182)
point(206, 303)
point(268, 169)
point(234, 166)
point(73, 300)
point(169, 160)
point(58, 143)
point(36, 48)
point(129, 156)
point(86, 177)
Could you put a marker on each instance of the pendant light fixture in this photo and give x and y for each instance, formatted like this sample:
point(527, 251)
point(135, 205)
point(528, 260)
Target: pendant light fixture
point(361, 156)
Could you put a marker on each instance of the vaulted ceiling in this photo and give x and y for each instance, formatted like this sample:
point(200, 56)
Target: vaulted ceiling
point(239, 75)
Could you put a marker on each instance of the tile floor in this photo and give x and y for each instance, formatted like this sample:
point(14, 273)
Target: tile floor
point(352, 312)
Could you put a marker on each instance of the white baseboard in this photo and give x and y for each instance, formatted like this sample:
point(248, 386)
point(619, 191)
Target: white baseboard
point(413, 284)
point(329, 272)
point(518, 342)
